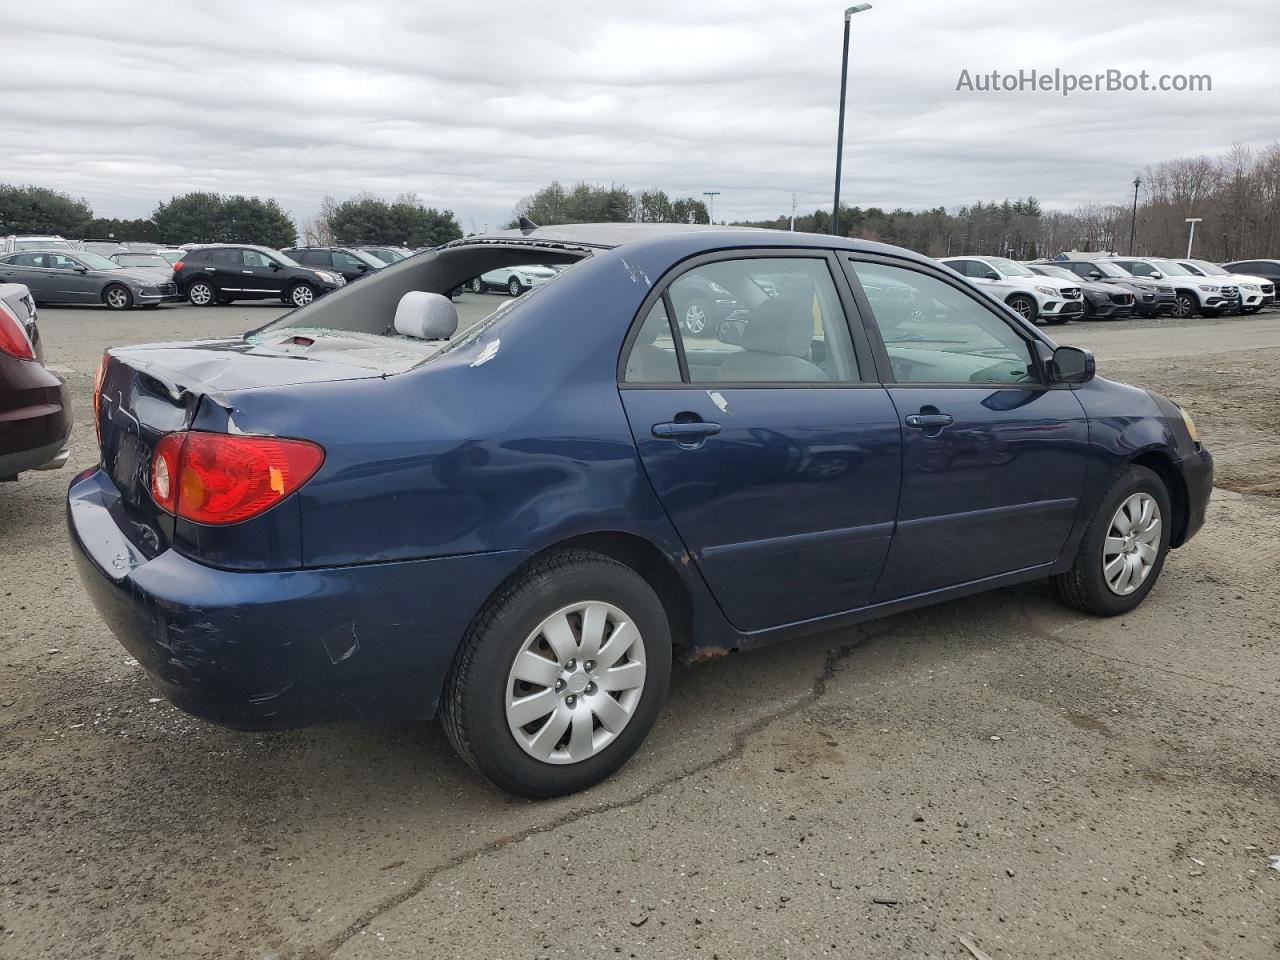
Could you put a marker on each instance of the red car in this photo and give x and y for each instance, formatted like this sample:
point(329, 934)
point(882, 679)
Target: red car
point(35, 420)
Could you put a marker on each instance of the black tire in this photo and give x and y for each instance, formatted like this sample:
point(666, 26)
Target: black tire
point(201, 293)
point(300, 294)
point(1026, 306)
point(117, 296)
point(695, 318)
point(1185, 305)
point(514, 287)
point(476, 286)
point(1084, 586)
point(472, 708)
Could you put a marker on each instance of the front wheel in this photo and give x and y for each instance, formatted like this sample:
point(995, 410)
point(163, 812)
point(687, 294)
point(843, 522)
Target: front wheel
point(300, 294)
point(696, 318)
point(476, 285)
point(1184, 305)
point(117, 297)
point(1025, 306)
point(514, 288)
point(1123, 551)
point(560, 677)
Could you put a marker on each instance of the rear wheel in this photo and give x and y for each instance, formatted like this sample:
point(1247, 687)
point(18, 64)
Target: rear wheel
point(1123, 551)
point(1025, 306)
point(201, 293)
point(117, 297)
point(696, 318)
point(560, 677)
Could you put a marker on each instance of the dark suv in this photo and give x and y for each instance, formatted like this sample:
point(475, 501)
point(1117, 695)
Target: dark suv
point(224, 272)
point(348, 261)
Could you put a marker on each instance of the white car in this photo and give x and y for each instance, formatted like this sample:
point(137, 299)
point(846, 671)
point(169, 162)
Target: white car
point(1035, 297)
point(1255, 292)
point(16, 243)
point(1194, 294)
point(514, 280)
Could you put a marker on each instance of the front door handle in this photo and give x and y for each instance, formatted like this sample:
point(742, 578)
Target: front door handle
point(685, 432)
point(930, 421)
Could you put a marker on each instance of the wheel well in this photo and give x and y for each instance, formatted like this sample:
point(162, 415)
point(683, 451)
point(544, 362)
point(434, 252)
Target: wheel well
point(1162, 466)
point(650, 562)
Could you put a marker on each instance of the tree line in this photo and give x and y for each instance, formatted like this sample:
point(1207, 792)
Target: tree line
point(202, 217)
point(595, 203)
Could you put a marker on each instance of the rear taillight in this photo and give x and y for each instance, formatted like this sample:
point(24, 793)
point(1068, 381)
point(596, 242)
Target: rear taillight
point(220, 478)
point(13, 338)
point(179, 265)
point(98, 377)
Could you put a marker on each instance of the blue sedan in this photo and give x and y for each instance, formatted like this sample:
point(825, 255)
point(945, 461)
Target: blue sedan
point(356, 509)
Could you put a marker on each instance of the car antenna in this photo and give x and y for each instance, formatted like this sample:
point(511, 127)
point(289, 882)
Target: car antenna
point(527, 225)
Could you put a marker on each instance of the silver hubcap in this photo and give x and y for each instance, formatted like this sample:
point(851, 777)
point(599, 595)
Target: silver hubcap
point(1132, 544)
point(200, 294)
point(695, 318)
point(302, 296)
point(514, 287)
point(1182, 307)
point(117, 297)
point(576, 682)
point(1023, 308)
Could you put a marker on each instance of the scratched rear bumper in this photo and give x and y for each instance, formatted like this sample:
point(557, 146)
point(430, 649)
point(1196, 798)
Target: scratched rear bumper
point(278, 649)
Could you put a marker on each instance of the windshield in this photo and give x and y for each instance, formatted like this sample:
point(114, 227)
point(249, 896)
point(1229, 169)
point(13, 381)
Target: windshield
point(1209, 269)
point(95, 262)
point(1108, 269)
point(1170, 269)
point(41, 245)
point(284, 258)
point(1010, 268)
point(364, 256)
point(141, 260)
point(1058, 272)
point(384, 255)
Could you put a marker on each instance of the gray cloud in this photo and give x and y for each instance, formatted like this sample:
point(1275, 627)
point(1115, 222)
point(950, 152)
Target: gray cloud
point(477, 105)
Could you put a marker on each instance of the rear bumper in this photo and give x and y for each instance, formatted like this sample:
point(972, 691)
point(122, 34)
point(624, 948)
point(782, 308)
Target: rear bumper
point(33, 435)
point(276, 649)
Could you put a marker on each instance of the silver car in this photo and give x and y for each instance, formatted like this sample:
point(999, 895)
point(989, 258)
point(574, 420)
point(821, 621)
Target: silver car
point(80, 277)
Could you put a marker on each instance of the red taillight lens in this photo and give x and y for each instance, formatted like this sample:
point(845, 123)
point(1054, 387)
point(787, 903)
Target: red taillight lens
point(13, 338)
point(98, 378)
point(179, 265)
point(219, 478)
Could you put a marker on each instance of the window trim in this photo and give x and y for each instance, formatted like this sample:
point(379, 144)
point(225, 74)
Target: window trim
point(1037, 346)
point(863, 354)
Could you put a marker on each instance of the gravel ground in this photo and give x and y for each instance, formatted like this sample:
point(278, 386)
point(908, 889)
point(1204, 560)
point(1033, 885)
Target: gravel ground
point(1047, 784)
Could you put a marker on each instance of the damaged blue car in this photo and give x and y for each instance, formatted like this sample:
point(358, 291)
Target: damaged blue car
point(360, 509)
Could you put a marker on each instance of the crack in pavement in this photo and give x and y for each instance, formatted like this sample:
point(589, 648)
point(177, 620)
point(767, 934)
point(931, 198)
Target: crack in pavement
point(737, 747)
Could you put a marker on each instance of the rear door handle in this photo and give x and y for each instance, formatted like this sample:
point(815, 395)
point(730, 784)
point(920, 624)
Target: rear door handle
point(696, 430)
point(930, 421)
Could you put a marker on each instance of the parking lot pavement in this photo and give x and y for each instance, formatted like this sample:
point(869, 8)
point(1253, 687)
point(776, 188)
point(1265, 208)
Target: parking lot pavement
point(1049, 784)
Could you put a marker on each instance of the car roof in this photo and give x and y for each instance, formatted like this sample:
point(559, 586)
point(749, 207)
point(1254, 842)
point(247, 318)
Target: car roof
point(65, 251)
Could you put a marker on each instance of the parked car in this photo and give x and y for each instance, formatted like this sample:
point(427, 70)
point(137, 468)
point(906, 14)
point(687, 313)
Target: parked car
point(151, 263)
point(81, 277)
point(350, 262)
point(1192, 294)
point(1102, 301)
point(221, 273)
point(1268, 270)
point(514, 280)
point(387, 254)
point(15, 242)
point(1035, 297)
point(35, 418)
point(1152, 298)
point(103, 248)
point(1255, 292)
point(352, 510)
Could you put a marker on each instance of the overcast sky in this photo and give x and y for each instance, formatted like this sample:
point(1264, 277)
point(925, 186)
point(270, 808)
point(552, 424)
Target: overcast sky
point(475, 105)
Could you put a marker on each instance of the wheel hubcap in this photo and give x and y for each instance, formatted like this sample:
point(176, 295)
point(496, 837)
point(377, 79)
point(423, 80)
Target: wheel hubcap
point(695, 319)
point(302, 296)
point(1132, 545)
point(116, 298)
point(1183, 307)
point(200, 293)
point(1023, 308)
point(576, 682)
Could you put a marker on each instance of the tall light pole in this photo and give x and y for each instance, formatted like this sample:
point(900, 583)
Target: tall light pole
point(844, 76)
point(1192, 239)
point(1133, 224)
point(711, 204)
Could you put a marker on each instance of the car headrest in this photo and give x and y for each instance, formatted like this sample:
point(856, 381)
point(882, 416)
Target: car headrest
point(779, 326)
point(426, 316)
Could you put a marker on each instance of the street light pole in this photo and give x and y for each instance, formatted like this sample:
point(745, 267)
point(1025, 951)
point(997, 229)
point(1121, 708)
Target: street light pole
point(711, 204)
point(1133, 224)
point(1192, 239)
point(844, 75)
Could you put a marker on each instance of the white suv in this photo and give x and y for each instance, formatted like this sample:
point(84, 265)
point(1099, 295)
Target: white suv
point(1194, 294)
point(514, 280)
point(1035, 297)
point(1255, 292)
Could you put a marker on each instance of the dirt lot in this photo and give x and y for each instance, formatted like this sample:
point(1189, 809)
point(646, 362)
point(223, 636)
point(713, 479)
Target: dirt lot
point(1048, 784)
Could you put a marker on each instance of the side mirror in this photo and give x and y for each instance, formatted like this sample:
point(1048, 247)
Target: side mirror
point(364, 267)
point(1095, 274)
point(731, 332)
point(275, 265)
point(1071, 365)
point(1156, 275)
point(991, 275)
point(80, 268)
